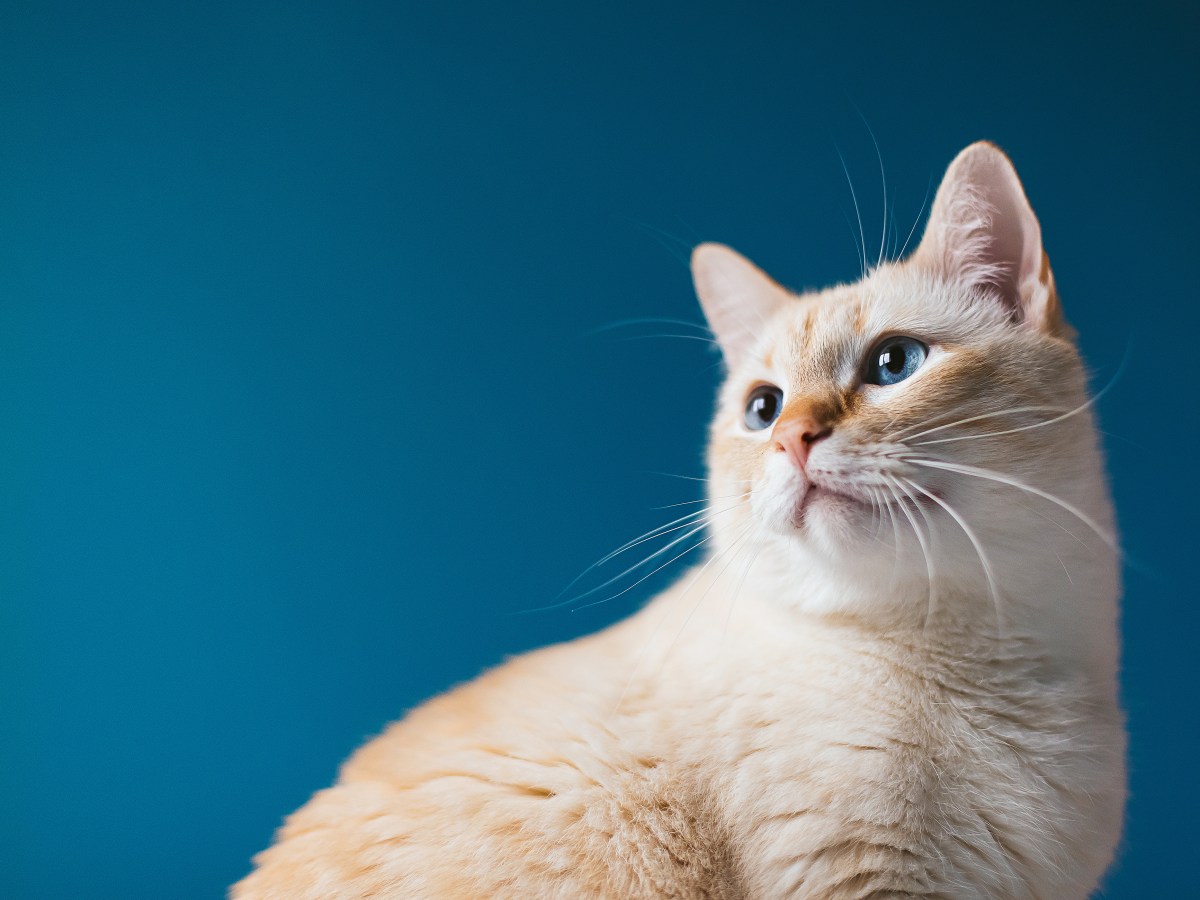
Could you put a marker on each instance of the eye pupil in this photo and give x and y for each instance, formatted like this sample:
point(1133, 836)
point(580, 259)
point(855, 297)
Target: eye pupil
point(765, 407)
point(762, 407)
point(892, 359)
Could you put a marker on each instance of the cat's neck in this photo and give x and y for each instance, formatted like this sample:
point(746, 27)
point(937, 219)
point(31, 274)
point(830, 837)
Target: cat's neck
point(961, 628)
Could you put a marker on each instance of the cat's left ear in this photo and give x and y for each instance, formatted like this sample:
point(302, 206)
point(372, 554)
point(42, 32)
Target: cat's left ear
point(982, 231)
point(737, 296)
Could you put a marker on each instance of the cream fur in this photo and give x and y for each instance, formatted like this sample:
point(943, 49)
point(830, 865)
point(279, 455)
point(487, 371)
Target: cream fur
point(894, 694)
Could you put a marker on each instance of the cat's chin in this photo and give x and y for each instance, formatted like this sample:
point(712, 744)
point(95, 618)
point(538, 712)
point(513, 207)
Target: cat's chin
point(820, 502)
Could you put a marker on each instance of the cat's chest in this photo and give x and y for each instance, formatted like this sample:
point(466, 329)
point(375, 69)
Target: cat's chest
point(838, 761)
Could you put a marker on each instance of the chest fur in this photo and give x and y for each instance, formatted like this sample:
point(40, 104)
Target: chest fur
point(853, 774)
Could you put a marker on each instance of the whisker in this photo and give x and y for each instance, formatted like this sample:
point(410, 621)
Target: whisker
point(895, 529)
point(900, 436)
point(745, 494)
point(894, 241)
point(988, 475)
point(857, 214)
point(1074, 412)
point(742, 537)
point(738, 592)
point(883, 179)
point(877, 508)
point(619, 593)
point(694, 478)
point(698, 515)
point(1053, 521)
point(1070, 580)
point(679, 248)
point(701, 516)
point(682, 337)
point(931, 606)
point(861, 253)
point(984, 561)
point(911, 231)
point(649, 320)
point(666, 612)
point(696, 530)
point(876, 512)
point(929, 532)
point(686, 519)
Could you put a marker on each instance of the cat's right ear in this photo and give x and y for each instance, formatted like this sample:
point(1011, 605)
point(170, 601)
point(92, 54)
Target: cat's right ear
point(982, 232)
point(737, 296)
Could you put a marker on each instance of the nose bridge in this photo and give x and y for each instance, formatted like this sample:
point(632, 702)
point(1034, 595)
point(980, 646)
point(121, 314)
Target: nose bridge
point(809, 410)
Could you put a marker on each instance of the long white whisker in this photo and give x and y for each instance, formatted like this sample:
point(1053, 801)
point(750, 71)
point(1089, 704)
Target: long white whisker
point(700, 515)
point(694, 530)
point(696, 517)
point(883, 179)
point(901, 436)
point(858, 215)
point(911, 231)
point(1074, 412)
point(1008, 412)
point(650, 320)
point(742, 537)
point(971, 536)
point(687, 520)
point(876, 511)
point(666, 612)
point(895, 529)
point(696, 478)
point(1011, 482)
point(878, 505)
point(655, 571)
point(854, 237)
point(738, 592)
point(1054, 521)
point(931, 606)
point(690, 520)
point(745, 494)
point(1070, 580)
point(685, 337)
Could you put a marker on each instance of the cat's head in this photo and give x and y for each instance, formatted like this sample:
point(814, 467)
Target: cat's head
point(928, 424)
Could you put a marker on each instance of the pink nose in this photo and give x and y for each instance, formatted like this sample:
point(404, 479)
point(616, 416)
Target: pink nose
point(795, 436)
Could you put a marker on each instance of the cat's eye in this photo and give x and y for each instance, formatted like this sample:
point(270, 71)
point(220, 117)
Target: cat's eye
point(763, 406)
point(894, 359)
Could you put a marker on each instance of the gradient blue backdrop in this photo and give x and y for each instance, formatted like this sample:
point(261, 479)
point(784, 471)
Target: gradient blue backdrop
point(301, 397)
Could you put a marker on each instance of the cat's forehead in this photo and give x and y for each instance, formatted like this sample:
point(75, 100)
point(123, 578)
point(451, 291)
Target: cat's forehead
point(828, 330)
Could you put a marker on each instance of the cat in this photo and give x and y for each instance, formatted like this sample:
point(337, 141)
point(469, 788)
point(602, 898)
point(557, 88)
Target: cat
point(893, 676)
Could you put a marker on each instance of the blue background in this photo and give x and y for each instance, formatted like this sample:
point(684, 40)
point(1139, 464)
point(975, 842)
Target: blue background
point(303, 396)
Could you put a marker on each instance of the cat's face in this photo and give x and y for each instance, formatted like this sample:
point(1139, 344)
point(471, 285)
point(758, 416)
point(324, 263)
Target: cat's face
point(905, 434)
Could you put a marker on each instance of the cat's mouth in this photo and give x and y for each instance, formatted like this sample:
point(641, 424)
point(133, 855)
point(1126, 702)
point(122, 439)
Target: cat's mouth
point(819, 498)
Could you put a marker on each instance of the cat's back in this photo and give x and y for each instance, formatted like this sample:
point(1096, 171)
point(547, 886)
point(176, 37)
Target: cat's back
point(717, 751)
point(516, 784)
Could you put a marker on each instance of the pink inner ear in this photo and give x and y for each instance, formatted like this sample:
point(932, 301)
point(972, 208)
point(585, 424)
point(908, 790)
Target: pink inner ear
point(738, 298)
point(982, 231)
point(1015, 245)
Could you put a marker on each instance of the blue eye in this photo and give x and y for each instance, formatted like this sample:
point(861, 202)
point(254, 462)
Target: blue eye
point(894, 359)
point(763, 406)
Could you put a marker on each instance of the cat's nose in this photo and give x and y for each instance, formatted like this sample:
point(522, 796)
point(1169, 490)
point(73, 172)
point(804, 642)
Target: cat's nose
point(796, 436)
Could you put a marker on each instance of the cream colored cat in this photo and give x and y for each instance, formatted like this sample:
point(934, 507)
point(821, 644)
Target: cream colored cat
point(895, 676)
